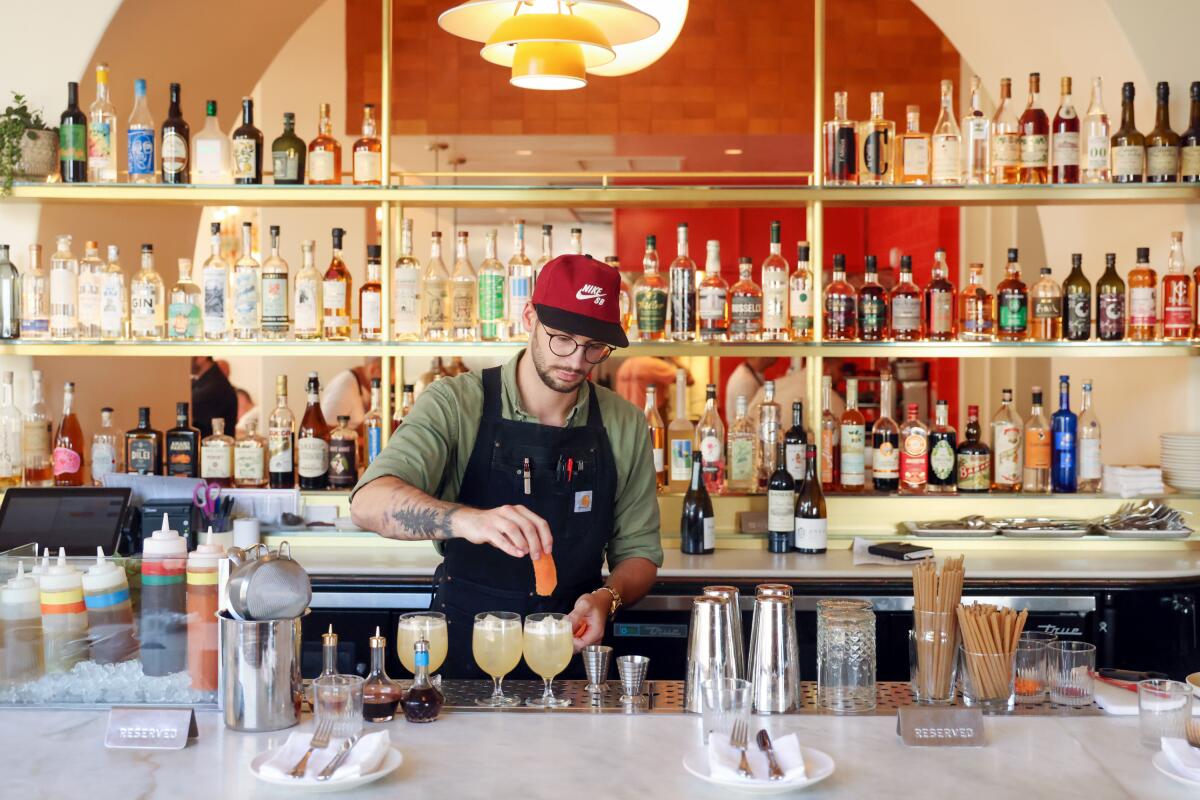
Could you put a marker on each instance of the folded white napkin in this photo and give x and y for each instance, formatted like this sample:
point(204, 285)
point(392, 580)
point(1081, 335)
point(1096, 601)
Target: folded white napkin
point(1183, 757)
point(363, 759)
point(723, 759)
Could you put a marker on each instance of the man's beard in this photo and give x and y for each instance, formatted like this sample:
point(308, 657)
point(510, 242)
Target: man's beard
point(546, 372)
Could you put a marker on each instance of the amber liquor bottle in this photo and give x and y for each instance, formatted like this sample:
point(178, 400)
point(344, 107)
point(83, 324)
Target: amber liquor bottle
point(368, 152)
point(1012, 302)
point(841, 321)
point(906, 319)
point(1143, 299)
point(1045, 324)
point(325, 152)
point(1162, 143)
point(940, 302)
point(1064, 149)
point(183, 446)
point(872, 305)
point(975, 308)
point(1035, 136)
point(1178, 295)
point(841, 146)
point(1006, 138)
point(1128, 145)
point(336, 293)
point(312, 441)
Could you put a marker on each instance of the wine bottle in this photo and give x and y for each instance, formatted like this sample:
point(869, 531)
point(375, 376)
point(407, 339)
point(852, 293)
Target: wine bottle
point(795, 440)
point(812, 525)
point(697, 531)
point(781, 506)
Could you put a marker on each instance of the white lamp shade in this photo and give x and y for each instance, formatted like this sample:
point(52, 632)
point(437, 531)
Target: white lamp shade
point(634, 56)
point(620, 22)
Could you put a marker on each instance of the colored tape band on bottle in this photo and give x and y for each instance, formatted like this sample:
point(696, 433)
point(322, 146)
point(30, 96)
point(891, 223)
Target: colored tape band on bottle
point(64, 608)
point(162, 580)
point(206, 578)
point(107, 600)
point(172, 566)
point(68, 597)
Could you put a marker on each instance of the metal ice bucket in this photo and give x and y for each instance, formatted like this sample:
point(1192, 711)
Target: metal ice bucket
point(260, 672)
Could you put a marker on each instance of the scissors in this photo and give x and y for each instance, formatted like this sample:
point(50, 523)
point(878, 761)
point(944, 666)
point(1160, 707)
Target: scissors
point(205, 496)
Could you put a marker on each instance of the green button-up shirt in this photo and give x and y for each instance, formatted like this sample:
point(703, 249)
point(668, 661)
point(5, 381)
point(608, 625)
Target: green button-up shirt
point(431, 449)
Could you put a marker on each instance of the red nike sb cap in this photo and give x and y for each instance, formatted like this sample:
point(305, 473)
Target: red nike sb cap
point(581, 296)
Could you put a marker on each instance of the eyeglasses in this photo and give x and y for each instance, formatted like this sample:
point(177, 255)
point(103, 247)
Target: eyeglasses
point(564, 346)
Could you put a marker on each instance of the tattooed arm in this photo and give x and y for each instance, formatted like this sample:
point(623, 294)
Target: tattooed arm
point(399, 510)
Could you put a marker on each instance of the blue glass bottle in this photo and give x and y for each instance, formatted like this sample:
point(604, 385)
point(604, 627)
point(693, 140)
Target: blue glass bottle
point(1064, 436)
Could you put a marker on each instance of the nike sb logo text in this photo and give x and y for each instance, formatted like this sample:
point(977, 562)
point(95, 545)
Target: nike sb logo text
point(591, 292)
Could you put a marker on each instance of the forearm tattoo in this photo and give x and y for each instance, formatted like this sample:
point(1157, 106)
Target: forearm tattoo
point(420, 522)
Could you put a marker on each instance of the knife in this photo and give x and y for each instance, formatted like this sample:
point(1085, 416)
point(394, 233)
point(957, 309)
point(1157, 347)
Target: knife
point(764, 744)
point(333, 765)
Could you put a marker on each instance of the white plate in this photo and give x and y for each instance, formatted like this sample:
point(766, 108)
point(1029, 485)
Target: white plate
point(1162, 765)
point(391, 761)
point(817, 766)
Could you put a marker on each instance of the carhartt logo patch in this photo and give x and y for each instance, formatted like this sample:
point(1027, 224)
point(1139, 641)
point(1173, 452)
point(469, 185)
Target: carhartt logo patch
point(583, 501)
point(591, 291)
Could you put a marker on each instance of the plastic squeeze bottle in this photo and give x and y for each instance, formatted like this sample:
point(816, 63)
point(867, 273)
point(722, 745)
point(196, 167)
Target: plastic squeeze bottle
point(110, 611)
point(202, 614)
point(21, 655)
point(64, 616)
point(164, 605)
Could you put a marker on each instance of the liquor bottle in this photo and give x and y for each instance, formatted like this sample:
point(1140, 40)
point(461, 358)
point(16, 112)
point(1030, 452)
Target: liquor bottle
point(940, 302)
point(709, 441)
point(658, 436)
point(1035, 137)
point(1110, 302)
point(977, 139)
point(742, 441)
point(947, 141)
point(139, 137)
point(343, 455)
point(1006, 138)
point(380, 693)
point(1143, 299)
point(373, 423)
point(841, 301)
point(368, 152)
point(679, 437)
point(943, 478)
point(463, 293)
point(885, 441)
point(830, 450)
point(114, 308)
point(183, 446)
point(274, 292)
point(974, 458)
point(650, 297)
point(1178, 293)
point(370, 298)
point(247, 280)
point(406, 288)
point(336, 294)
point(144, 446)
point(795, 439)
point(1006, 446)
point(878, 136)
point(812, 523)
point(681, 319)
point(1036, 471)
point(577, 241)
point(1064, 139)
point(435, 294)
point(697, 526)
point(10, 297)
point(247, 148)
point(325, 151)
point(1091, 466)
point(775, 289)
point(68, 444)
point(91, 272)
point(914, 453)
point(1077, 303)
point(975, 308)
point(72, 140)
point(281, 436)
point(423, 701)
point(1189, 141)
point(64, 291)
point(1097, 132)
point(906, 317)
point(841, 146)
point(547, 253)
point(183, 309)
point(312, 441)
point(288, 154)
point(1128, 147)
point(1012, 302)
point(872, 305)
point(216, 455)
point(769, 434)
point(493, 315)
point(781, 506)
point(1162, 143)
point(214, 280)
point(745, 305)
point(1064, 456)
point(1046, 298)
point(517, 287)
point(105, 449)
point(250, 458)
point(800, 299)
point(308, 306)
point(210, 151)
point(35, 298)
point(147, 307)
point(626, 294)
point(102, 133)
point(35, 437)
point(176, 143)
point(913, 151)
point(714, 297)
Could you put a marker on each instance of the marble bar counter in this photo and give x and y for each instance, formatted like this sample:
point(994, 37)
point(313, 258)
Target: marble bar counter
point(54, 754)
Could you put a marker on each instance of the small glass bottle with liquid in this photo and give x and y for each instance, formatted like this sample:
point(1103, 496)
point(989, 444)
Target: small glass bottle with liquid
point(381, 694)
point(422, 702)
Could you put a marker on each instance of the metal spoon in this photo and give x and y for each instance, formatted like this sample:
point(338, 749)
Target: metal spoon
point(764, 744)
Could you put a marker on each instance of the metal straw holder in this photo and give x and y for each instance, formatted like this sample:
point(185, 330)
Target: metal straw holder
point(261, 684)
point(774, 669)
point(711, 650)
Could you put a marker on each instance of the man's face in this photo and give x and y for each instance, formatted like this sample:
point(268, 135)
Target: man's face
point(199, 365)
point(561, 373)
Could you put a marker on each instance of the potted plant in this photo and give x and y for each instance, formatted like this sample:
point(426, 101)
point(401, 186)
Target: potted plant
point(28, 147)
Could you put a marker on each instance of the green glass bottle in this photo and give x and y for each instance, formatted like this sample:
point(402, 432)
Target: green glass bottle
point(288, 152)
point(1110, 302)
point(1077, 303)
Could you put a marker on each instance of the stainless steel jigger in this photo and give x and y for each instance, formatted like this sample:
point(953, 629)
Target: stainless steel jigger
point(632, 670)
point(596, 658)
point(733, 601)
point(774, 657)
point(710, 649)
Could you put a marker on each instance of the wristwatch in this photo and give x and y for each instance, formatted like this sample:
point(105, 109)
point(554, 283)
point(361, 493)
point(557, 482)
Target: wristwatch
point(616, 600)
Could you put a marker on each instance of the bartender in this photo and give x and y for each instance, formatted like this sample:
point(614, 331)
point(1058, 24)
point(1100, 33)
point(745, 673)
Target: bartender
point(502, 466)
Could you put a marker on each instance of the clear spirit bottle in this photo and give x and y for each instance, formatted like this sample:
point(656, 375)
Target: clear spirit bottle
point(247, 148)
point(709, 441)
point(1035, 136)
point(1045, 297)
point(658, 436)
point(214, 283)
point(878, 137)
point(800, 299)
point(102, 133)
point(841, 146)
point(1096, 137)
point(183, 310)
point(274, 292)
point(650, 296)
point(250, 458)
point(91, 271)
point(547, 252)
point(64, 291)
point(139, 136)
point(10, 297)
point(368, 152)
point(464, 293)
point(210, 151)
point(745, 305)
point(11, 428)
point(770, 435)
point(975, 308)
point(1006, 138)
point(775, 289)
point(739, 451)
point(977, 140)
point(35, 436)
point(406, 288)
point(577, 241)
point(1036, 471)
point(247, 280)
point(714, 298)
point(1007, 435)
point(114, 308)
point(626, 300)
point(147, 307)
point(1091, 465)
point(841, 315)
point(493, 314)
point(337, 293)
point(520, 283)
point(681, 319)
point(679, 438)
point(106, 449)
point(912, 168)
point(435, 294)
point(370, 298)
point(307, 305)
point(947, 141)
point(1178, 295)
point(1064, 139)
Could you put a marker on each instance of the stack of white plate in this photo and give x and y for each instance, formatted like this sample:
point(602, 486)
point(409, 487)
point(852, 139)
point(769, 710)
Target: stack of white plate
point(1181, 460)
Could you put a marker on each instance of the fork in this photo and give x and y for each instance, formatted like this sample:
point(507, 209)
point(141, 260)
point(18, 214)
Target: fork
point(739, 739)
point(320, 740)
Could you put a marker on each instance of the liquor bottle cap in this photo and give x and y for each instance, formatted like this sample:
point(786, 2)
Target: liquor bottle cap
point(408, 387)
point(710, 391)
point(375, 383)
point(547, 228)
point(1076, 259)
point(374, 251)
point(1127, 90)
point(839, 261)
point(1110, 259)
point(802, 251)
point(911, 409)
point(147, 248)
point(1163, 90)
point(106, 410)
point(776, 230)
point(181, 409)
point(210, 108)
point(1012, 254)
point(289, 118)
point(651, 240)
point(906, 263)
point(215, 229)
point(343, 420)
point(943, 403)
point(1195, 92)
point(1044, 270)
point(274, 230)
point(1064, 378)
point(338, 235)
point(745, 260)
point(972, 411)
point(870, 264)
point(1143, 254)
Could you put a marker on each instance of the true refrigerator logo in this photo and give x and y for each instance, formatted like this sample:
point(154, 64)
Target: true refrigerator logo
point(1075, 633)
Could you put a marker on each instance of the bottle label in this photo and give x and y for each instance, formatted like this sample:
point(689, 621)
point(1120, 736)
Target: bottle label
point(320, 166)
point(793, 456)
point(977, 315)
point(245, 159)
point(1111, 317)
point(374, 442)
point(1037, 449)
point(781, 510)
point(974, 472)
point(141, 456)
point(916, 155)
point(406, 284)
point(370, 311)
point(100, 148)
point(1066, 149)
point(274, 303)
point(1143, 305)
point(72, 143)
point(710, 450)
point(1047, 308)
point(307, 313)
point(1177, 310)
point(64, 293)
point(906, 313)
point(885, 463)
point(245, 299)
point(435, 297)
point(143, 302)
point(1162, 162)
point(941, 461)
point(462, 304)
point(660, 460)
point(104, 460)
point(491, 302)
point(279, 444)
point(843, 153)
point(683, 299)
point(1128, 160)
point(871, 313)
point(853, 438)
point(1006, 447)
point(207, 155)
point(66, 461)
point(681, 459)
point(712, 303)
point(1014, 307)
point(180, 460)
point(248, 464)
point(1034, 151)
point(285, 163)
point(342, 468)
point(174, 153)
point(1090, 468)
point(710, 533)
point(1078, 315)
point(941, 312)
point(801, 302)
point(216, 460)
point(1189, 162)
point(1064, 452)
point(745, 314)
point(313, 457)
point(1006, 150)
point(367, 165)
point(741, 460)
point(945, 159)
point(839, 315)
point(141, 151)
point(335, 296)
point(215, 285)
point(89, 300)
point(828, 445)
point(520, 288)
point(811, 534)
point(183, 321)
point(1097, 153)
point(651, 310)
point(876, 151)
point(112, 306)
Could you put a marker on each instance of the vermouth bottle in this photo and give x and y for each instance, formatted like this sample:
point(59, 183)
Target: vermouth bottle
point(176, 143)
point(914, 453)
point(214, 286)
point(1077, 303)
point(247, 279)
point(1189, 141)
point(681, 320)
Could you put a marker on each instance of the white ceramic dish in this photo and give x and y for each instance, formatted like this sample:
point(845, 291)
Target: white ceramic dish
point(391, 761)
point(1164, 766)
point(817, 767)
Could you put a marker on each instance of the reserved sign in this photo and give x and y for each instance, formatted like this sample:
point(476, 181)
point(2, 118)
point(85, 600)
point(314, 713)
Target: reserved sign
point(940, 726)
point(150, 728)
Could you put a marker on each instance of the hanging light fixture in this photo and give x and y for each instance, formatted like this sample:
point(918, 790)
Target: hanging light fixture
point(549, 44)
point(638, 55)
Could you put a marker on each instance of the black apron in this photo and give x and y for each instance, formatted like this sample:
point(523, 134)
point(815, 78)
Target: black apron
point(474, 578)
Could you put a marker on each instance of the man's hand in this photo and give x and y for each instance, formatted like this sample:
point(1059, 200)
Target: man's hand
point(514, 529)
point(592, 610)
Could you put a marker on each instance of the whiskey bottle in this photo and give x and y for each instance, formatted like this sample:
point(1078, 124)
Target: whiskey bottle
point(493, 314)
point(102, 133)
point(211, 150)
point(658, 436)
point(1143, 299)
point(709, 441)
point(943, 451)
point(1097, 133)
point(183, 446)
point(274, 292)
point(1189, 141)
point(713, 297)
point(906, 320)
point(308, 304)
point(742, 440)
point(940, 302)
point(216, 455)
point(1006, 139)
point(464, 293)
point(1091, 466)
point(250, 458)
point(947, 141)
point(781, 506)
point(812, 522)
point(974, 458)
point(368, 152)
point(35, 298)
point(977, 135)
point(143, 447)
point(841, 317)
point(11, 432)
point(697, 526)
point(64, 291)
point(1162, 143)
point(885, 441)
point(68, 444)
point(775, 289)
point(435, 294)
point(247, 280)
point(146, 300)
point(343, 455)
point(878, 136)
point(1035, 135)
point(184, 321)
point(288, 153)
point(1064, 139)
point(312, 441)
point(1012, 303)
point(1178, 295)
point(800, 295)
point(1006, 446)
point(1046, 298)
point(214, 281)
point(626, 297)
point(370, 298)
point(914, 453)
point(841, 146)
point(681, 316)
point(373, 423)
point(10, 297)
point(247, 148)
point(1077, 303)
point(1064, 457)
point(650, 297)
point(1128, 147)
point(105, 449)
point(325, 151)
point(281, 436)
point(406, 288)
point(872, 305)
point(745, 305)
point(520, 283)
point(830, 442)
point(679, 438)
point(176, 143)
point(139, 137)
point(91, 273)
point(336, 293)
point(975, 308)
point(770, 433)
point(1036, 471)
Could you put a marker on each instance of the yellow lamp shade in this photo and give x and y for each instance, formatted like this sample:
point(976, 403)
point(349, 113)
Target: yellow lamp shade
point(585, 38)
point(552, 66)
point(620, 22)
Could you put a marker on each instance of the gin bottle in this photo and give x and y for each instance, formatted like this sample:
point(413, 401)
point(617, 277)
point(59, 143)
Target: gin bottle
point(91, 272)
point(64, 291)
point(247, 274)
point(214, 278)
point(146, 300)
